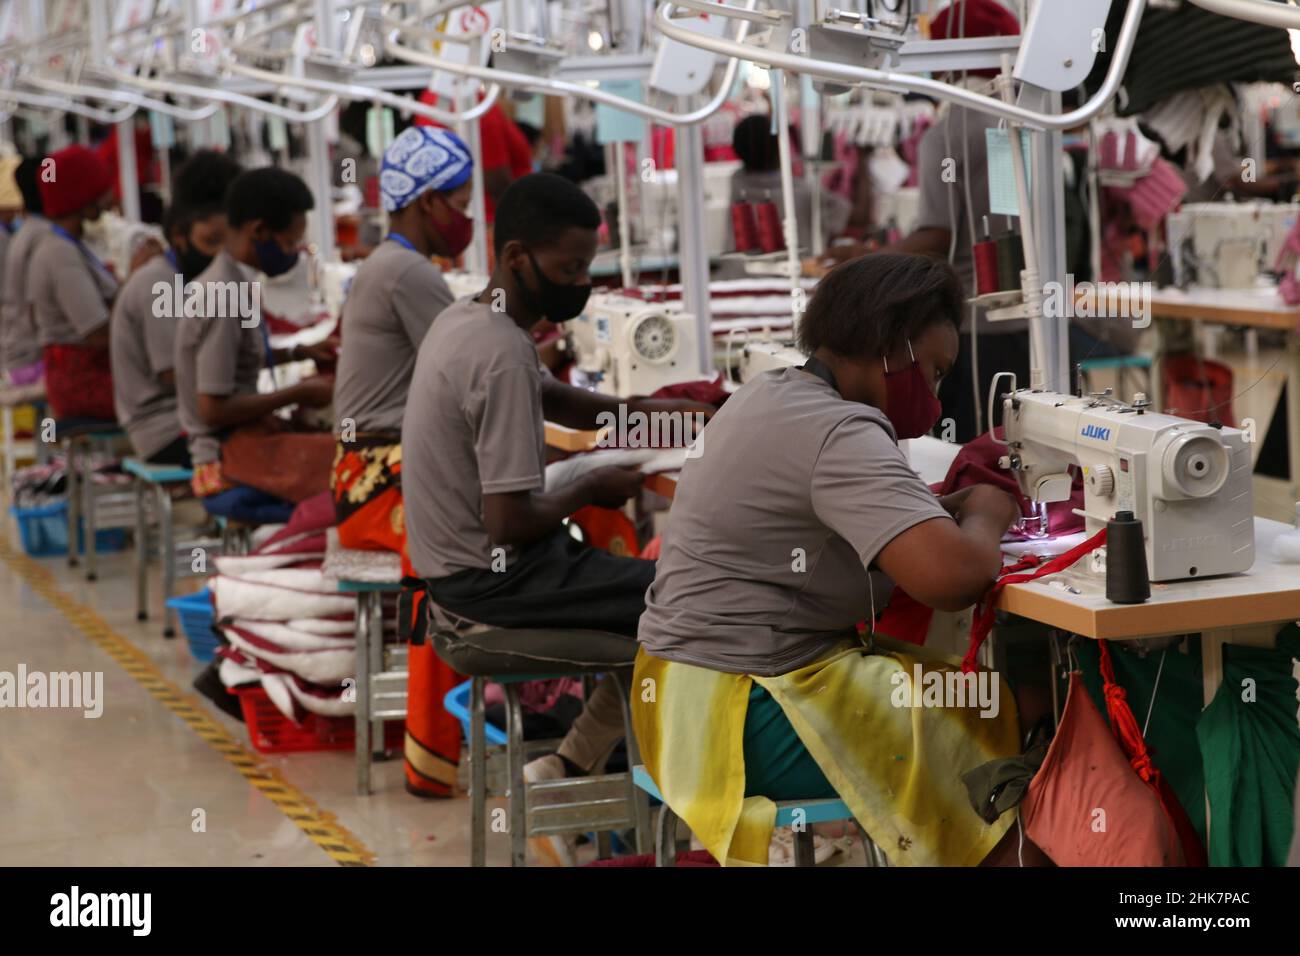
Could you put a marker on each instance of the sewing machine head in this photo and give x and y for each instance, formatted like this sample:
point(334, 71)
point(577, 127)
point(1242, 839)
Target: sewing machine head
point(1189, 483)
point(627, 346)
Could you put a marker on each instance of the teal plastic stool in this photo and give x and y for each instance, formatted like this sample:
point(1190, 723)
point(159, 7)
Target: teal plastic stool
point(800, 814)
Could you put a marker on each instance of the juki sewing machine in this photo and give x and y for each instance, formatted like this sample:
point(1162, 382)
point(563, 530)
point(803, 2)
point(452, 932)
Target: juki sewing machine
point(627, 346)
point(1188, 483)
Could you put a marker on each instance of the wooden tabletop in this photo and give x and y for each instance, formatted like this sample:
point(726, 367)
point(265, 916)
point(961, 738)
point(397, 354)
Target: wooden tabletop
point(1268, 593)
point(1261, 307)
point(570, 439)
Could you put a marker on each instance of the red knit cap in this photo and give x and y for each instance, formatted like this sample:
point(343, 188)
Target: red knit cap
point(983, 18)
point(75, 179)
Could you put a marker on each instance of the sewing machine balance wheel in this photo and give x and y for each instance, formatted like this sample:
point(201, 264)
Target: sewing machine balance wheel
point(654, 338)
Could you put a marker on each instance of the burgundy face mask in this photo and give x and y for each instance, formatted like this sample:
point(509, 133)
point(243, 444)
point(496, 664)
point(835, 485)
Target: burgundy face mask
point(909, 403)
point(457, 232)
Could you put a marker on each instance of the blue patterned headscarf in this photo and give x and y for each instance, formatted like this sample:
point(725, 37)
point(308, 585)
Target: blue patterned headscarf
point(423, 157)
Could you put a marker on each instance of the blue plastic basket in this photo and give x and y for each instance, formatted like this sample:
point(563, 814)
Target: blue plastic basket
point(457, 704)
point(44, 531)
point(195, 612)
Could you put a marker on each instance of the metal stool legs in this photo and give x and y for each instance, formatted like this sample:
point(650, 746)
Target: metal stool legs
point(518, 794)
point(73, 484)
point(141, 551)
point(167, 556)
point(478, 774)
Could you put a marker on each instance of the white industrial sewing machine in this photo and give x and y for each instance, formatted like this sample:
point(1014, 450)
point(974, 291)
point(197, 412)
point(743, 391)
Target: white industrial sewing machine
point(1189, 483)
point(1225, 244)
point(763, 356)
point(626, 346)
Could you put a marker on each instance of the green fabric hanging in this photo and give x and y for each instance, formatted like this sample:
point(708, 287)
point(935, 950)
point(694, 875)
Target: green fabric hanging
point(1251, 750)
point(1173, 746)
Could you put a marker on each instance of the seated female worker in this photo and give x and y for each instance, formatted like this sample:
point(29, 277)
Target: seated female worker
point(222, 344)
point(785, 533)
point(397, 292)
point(143, 339)
point(71, 291)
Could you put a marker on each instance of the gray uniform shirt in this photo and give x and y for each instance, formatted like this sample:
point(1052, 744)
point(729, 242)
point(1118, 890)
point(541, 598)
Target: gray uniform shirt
point(959, 135)
point(69, 289)
point(794, 493)
point(394, 298)
point(473, 426)
point(19, 345)
point(216, 354)
point(142, 346)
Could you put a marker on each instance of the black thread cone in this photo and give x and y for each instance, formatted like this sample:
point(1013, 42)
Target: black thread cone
point(1127, 581)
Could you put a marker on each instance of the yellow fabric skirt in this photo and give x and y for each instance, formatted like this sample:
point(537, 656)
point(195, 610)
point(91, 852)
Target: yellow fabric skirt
point(896, 763)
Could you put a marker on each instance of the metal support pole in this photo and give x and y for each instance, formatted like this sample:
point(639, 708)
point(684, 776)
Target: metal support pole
point(1047, 207)
point(692, 248)
point(126, 170)
point(619, 153)
point(318, 149)
point(476, 256)
point(789, 217)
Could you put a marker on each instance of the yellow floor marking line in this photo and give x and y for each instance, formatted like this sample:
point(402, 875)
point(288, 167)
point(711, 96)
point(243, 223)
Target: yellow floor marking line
point(318, 825)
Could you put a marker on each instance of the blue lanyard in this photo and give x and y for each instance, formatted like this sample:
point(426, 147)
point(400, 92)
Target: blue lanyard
point(81, 246)
point(266, 344)
point(173, 259)
point(401, 241)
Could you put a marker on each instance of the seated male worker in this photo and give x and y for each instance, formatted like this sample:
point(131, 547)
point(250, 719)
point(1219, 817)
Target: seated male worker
point(395, 296)
point(750, 624)
point(71, 290)
point(483, 530)
point(143, 339)
point(20, 349)
point(236, 443)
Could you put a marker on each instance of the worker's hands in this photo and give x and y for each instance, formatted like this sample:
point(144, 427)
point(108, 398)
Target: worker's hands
point(1000, 507)
point(612, 486)
point(677, 406)
point(315, 392)
point(324, 354)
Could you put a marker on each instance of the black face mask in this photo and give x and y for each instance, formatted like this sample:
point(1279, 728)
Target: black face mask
point(192, 262)
point(555, 301)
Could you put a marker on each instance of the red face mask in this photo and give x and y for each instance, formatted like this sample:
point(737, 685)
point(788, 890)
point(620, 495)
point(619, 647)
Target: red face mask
point(910, 405)
point(456, 232)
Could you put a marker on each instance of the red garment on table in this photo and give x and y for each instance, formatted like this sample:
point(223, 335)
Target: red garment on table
point(704, 391)
point(977, 464)
point(906, 619)
point(79, 382)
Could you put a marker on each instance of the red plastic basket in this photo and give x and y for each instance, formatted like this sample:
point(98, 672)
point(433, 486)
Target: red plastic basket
point(270, 732)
